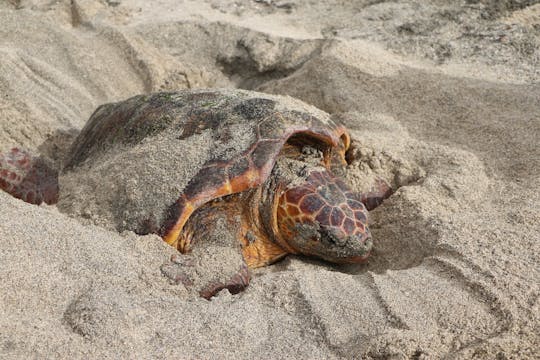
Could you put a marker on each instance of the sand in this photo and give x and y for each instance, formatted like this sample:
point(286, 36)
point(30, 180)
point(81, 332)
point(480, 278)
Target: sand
point(442, 100)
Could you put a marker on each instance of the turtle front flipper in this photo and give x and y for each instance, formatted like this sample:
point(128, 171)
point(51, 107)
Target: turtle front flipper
point(214, 260)
point(378, 193)
point(28, 178)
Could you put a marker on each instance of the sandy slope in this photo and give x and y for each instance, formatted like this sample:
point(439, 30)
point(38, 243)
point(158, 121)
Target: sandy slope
point(442, 100)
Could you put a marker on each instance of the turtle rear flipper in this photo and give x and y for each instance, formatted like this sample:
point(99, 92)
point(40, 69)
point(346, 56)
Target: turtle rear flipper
point(215, 261)
point(28, 178)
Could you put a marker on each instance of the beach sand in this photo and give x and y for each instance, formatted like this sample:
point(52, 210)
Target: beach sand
point(442, 100)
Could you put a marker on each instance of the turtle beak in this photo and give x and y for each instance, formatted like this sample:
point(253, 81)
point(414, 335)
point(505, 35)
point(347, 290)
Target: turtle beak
point(344, 249)
point(359, 246)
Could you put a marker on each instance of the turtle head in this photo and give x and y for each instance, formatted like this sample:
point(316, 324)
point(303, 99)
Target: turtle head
point(323, 217)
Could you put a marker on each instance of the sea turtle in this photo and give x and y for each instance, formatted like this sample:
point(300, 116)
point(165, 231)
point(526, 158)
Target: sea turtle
point(235, 179)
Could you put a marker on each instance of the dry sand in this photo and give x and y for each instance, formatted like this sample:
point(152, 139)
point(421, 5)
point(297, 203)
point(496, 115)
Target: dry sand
point(442, 99)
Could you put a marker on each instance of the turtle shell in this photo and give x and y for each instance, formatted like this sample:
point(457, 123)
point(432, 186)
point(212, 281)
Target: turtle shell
point(146, 163)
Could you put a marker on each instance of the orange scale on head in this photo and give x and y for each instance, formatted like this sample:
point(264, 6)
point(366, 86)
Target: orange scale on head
point(293, 210)
point(287, 228)
point(305, 219)
point(294, 195)
point(282, 213)
point(240, 183)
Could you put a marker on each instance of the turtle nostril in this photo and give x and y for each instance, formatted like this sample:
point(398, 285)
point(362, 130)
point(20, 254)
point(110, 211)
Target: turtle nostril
point(365, 236)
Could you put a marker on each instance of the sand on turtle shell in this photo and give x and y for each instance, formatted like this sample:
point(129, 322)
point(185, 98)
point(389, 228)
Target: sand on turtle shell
point(442, 101)
point(102, 183)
